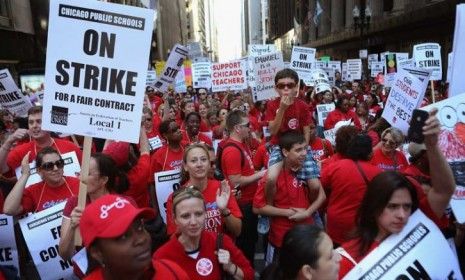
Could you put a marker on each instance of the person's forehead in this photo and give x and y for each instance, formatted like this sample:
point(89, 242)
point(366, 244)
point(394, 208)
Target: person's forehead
point(286, 80)
point(35, 116)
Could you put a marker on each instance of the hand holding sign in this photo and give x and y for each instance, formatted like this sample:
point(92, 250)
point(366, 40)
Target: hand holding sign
point(75, 216)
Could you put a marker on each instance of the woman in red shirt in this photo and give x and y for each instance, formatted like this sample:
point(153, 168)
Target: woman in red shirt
point(341, 113)
point(386, 156)
point(203, 255)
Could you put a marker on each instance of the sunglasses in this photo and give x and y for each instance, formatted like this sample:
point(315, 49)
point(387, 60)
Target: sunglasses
point(283, 86)
point(50, 165)
point(148, 119)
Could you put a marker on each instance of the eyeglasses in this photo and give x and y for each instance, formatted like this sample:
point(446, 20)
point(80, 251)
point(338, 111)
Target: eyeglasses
point(282, 86)
point(49, 165)
point(148, 119)
point(389, 142)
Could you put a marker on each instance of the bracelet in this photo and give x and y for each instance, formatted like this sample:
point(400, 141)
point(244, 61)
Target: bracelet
point(226, 215)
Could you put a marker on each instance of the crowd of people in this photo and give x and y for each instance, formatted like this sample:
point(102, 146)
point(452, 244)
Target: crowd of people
point(244, 166)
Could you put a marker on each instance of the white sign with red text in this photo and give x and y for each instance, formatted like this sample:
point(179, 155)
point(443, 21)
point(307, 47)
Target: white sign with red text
point(229, 76)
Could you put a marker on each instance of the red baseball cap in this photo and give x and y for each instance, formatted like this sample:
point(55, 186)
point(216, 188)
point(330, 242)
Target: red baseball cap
point(118, 151)
point(109, 216)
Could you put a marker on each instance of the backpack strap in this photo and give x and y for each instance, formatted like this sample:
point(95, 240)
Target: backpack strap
point(362, 173)
point(341, 251)
point(232, 144)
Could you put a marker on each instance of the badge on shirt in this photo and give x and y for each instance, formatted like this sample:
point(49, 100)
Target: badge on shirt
point(204, 266)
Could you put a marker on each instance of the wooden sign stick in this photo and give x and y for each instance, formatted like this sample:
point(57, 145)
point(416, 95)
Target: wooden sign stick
point(433, 97)
point(83, 187)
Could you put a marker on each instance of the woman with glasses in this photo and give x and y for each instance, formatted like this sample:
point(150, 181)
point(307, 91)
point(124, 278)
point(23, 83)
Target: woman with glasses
point(386, 156)
point(202, 254)
point(223, 213)
point(53, 189)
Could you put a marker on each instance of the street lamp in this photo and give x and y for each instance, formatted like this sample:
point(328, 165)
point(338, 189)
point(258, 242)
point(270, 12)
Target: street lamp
point(361, 17)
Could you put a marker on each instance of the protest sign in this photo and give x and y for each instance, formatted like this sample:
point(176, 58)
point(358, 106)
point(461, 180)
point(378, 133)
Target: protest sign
point(188, 72)
point(71, 168)
point(382, 57)
point(330, 135)
point(344, 72)
point(335, 65)
point(331, 74)
point(372, 58)
point(407, 255)
point(303, 61)
point(155, 143)
point(407, 92)
point(406, 63)
point(449, 67)
point(265, 68)
point(166, 182)
point(323, 110)
point(401, 56)
point(457, 82)
point(151, 78)
point(11, 98)
point(354, 69)
point(390, 68)
point(8, 249)
point(229, 76)
point(363, 53)
point(96, 77)
point(376, 68)
point(452, 144)
point(258, 50)
point(41, 232)
point(428, 56)
point(320, 64)
point(172, 67)
point(180, 81)
point(201, 75)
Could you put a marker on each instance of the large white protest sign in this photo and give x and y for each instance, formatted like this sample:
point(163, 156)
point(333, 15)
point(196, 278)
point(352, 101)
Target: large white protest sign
point(302, 61)
point(265, 68)
point(41, 232)
point(354, 69)
point(407, 255)
point(457, 82)
point(201, 74)
point(335, 65)
point(95, 79)
point(229, 76)
point(376, 68)
point(72, 168)
point(407, 92)
point(452, 144)
point(172, 67)
point(257, 50)
point(166, 182)
point(323, 110)
point(428, 56)
point(8, 249)
point(11, 97)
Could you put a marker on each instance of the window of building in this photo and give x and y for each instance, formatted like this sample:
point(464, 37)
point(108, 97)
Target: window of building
point(5, 15)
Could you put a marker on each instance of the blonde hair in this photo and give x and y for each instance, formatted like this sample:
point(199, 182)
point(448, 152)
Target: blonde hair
point(396, 135)
point(186, 193)
point(184, 173)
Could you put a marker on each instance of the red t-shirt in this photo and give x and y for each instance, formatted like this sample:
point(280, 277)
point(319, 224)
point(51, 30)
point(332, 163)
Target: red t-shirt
point(345, 266)
point(214, 221)
point(296, 116)
point(347, 188)
point(138, 177)
point(168, 270)
point(261, 158)
point(165, 159)
point(386, 163)
point(186, 140)
point(232, 154)
point(205, 266)
point(321, 149)
point(16, 155)
point(290, 192)
point(337, 115)
point(374, 137)
point(34, 200)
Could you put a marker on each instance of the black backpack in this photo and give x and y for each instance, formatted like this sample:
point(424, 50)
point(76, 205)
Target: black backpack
point(219, 175)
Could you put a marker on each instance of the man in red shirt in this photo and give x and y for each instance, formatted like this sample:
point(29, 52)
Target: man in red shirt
point(10, 158)
point(295, 200)
point(238, 168)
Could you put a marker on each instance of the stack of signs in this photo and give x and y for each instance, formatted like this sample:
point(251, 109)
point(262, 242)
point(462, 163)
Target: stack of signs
point(229, 76)
point(96, 78)
point(390, 68)
point(407, 92)
point(457, 82)
point(371, 59)
point(151, 78)
point(335, 65)
point(451, 112)
point(407, 255)
point(201, 74)
point(177, 56)
point(8, 249)
point(354, 69)
point(265, 68)
point(41, 232)
point(302, 61)
point(11, 97)
point(428, 56)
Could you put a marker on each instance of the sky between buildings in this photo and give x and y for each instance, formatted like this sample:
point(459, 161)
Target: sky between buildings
point(228, 24)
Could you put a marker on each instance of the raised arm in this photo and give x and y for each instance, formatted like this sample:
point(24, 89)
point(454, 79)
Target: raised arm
point(12, 204)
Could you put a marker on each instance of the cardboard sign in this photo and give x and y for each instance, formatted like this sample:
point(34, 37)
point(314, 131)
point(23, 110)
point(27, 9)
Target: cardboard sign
point(11, 97)
point(229, 76)
point(376, 68)
point(8, 248)
point(258, 50)
point(407, 255)
point(452, 144)
point(96, 77)
point(363, 54)
point(428, 56)
point(72, 168)
point(41, 232)
point(407, 92)
point(172, 67)
point(354, 69)
point(201, 75)
point(323, 110)
point(265, 68)
point(166, 182)
point(303, 61)
point(151, 78)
